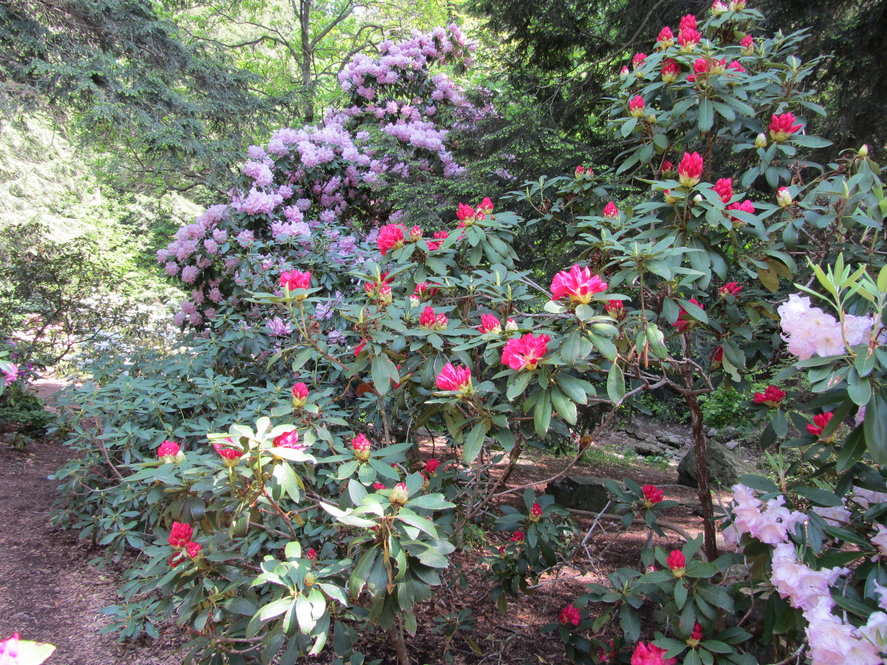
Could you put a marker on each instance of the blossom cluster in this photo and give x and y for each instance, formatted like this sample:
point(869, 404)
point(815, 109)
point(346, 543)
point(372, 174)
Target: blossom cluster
point(809, 331)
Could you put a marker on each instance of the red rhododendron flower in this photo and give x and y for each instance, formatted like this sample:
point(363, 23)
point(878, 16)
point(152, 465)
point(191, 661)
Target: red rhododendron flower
point(638, 59)
point(180, 534)
point(536, 511)
point(690, 169)
point(378, 486)
point(700, 66)
point(677, 563)
point(361, 447)
point(228, 454)
point(431, 321)
point(636, 106)
point(295, 280)
point(454, 378)
point(168, 450)
point(517, 537)
point(288, 440)
point(731, 288)
point(782, 126)
point(748, 45)
point(193, 549)
point(611, 211)
point(570, 615)
point(300, 394)
point(688, 22)
point(464, 212)
point(688, 38)
point(820, 422)
point(650, 654)
point(652, 495)
point(311, 554)
point(737, 67)
point(697, 632)
point(525, 352)
point(391, 236)
point(717, 355)
point(670, 71)
point(606, 655)
point(416, 233)
point(684, 318)
point(359, 348)
point(431, 465)
point(489, 324)
point(439, 236)
point(665, 38)
point(772, 396)
point(724, 189)
point(578, 284)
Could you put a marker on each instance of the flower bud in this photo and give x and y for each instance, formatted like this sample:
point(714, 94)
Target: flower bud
point(669, 199)
point(416, 233)
point(864, 150)
point(651, 118)
point(399, 495)
point(300, 395)
point(535, 513)
point(784, 197)
point(510, 325)
point(697, 198)
point(310, 579)
point(761, 140)
point(361, 447)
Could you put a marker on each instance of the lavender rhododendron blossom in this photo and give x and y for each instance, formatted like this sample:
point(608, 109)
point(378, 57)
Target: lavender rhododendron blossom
point(809, 331)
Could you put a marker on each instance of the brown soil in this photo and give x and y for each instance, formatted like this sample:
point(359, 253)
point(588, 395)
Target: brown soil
point(49, 591)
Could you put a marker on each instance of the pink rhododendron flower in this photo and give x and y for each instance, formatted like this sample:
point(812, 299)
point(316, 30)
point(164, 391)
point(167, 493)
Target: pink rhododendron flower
point(719, 7)
point(638, 59)
point(10, 375)
point(193, 549)
point(784, 197)
point(700, 66)
point(489, 324)
point(769, 522)
point(724, 189)
point(180, 534)
point(525, 352)
point(431, 465)
point(391, 236)
point(535, 512)
point(611, 211)
point(688, 22)
point(833, 642)
point(782, 126)
point(820, 422)
point(624, 70)
point(311, 554)
point(636, 106)
point(665, 38)
point(359, 348)
point(690, 169)
point(616, 309)
point(431, 321)
point(744, 206)
point(517, 537)
point(169, 451)
point(288, 440)
point(650, 654)
point(736, 66)
point(731, 289)
point(295, 280)
point(570, 615)
point(416, 233)
point(578, 284)
point(670, 71)
point(439, 236)
point(748, 45)
point(687, 39)
point(772, 396)
point(454, 378)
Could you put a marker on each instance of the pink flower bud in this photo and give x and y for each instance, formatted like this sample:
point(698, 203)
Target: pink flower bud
point(771, 397)
point(652, 495)
point(399, 495)
point(193, 549)
point(456, 379)
point(784, 197)
point(748, 45)
point(311, 554)
point(288, 440)
point(690, 169)
point(391, 236)
point(489, 324)
point(610, 211)
point(782, 126)
point(517, 537)
point(665, 38)
point(688, 38)
point(616, 309)
point(535, 512)
point(431, 465)
point(731, 289)
point(570, 615)
point(820, 422)
point(361, 447)
point(638, 59)
point(636, 107)
point(300, 395)
point(230, 456)
point(169, 451)
point(677, 563)
point(416, 233)
point(670, 71)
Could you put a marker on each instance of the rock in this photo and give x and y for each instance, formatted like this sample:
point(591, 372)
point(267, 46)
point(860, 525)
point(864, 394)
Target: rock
point(732, 445)
point(674, 440)
point(647, 449)
point(724, 467)
point(581, 492)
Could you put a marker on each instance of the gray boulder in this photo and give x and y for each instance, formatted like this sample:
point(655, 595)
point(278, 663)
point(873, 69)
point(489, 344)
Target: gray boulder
point(581, 492)
point(724, 467)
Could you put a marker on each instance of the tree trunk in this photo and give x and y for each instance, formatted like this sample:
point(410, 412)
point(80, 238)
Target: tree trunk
point(699, 445)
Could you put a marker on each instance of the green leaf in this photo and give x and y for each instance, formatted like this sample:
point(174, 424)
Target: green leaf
point(542, 414)
point(474, 442)
point(518, 386)
point(407, 516)
point(706, 115)
point(565, 408)
point(615, 384)
point(680, 594)
point(875, 429)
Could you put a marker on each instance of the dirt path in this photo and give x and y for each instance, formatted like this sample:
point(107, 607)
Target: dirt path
point(48, 590)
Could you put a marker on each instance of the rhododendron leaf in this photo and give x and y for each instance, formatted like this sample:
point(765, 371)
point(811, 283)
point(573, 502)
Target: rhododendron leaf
point(358, 577)
point(422, 523)
point(574, 388)
point(631, 624)
point(615, 384)
point(604, 346)
point(542, 414)
point(859, 390)
point(706, 115)
point(430, 502)
point(852, 450)
point(565, 408)
point(875, 428)
point(473, 442)
point(517, 387)
point(366, 473)
point(672, 647)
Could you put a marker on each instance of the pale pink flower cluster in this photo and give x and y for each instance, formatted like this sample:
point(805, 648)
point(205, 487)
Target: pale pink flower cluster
point(809, 331)
point(832, 641)
point(769, 522)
